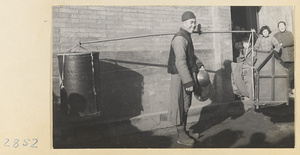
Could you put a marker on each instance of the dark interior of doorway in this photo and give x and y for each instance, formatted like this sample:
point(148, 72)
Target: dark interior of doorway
point(238, 16)
point(243, 18)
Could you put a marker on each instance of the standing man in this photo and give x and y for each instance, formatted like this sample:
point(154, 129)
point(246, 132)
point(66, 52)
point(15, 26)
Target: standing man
point(286, 41)
point(182, 65)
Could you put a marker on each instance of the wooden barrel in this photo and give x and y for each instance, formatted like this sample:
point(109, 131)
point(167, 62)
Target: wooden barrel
point(80, 79)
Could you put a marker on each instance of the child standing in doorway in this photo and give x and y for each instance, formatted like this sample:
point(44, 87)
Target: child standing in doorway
point(245, 54)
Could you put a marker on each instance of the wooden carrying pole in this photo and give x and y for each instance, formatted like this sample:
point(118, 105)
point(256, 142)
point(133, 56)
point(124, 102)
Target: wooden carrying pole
point(154, 35)
point(252, 31)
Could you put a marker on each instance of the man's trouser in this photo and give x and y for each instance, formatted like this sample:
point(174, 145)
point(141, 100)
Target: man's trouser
point(180, 101)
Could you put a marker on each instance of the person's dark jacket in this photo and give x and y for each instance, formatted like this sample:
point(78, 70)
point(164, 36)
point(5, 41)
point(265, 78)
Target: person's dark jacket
point(182, 59)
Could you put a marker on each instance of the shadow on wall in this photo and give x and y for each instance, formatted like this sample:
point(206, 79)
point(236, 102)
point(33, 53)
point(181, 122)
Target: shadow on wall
point(118, 89)
point(217, 112)
point(223, 91)
point(121, 90)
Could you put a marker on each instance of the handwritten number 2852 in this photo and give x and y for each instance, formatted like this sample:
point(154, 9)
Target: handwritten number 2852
point(16, 143)
point(7, 140)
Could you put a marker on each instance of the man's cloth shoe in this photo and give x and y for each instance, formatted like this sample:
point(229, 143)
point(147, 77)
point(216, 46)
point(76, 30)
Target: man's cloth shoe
point(183, 138)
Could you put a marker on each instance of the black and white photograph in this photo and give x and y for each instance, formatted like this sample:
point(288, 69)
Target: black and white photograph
point(172, 76)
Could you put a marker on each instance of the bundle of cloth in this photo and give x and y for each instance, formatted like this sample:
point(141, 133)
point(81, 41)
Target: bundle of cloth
point(242, 74)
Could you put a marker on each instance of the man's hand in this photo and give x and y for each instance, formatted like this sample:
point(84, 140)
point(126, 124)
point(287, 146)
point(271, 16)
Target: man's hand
point(189, 89)
point(202, 68)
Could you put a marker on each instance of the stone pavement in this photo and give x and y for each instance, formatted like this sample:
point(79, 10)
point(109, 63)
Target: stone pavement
point(271, 127)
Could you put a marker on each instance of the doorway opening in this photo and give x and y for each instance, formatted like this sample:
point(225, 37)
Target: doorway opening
point(242, 18)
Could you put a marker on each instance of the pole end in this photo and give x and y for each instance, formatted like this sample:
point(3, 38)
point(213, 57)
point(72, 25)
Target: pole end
point(199, 29)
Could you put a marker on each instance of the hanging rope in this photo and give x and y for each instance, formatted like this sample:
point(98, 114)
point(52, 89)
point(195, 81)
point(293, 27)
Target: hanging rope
point(93, 69)
point(252, 58)
point(248, 47)
point(63, 65)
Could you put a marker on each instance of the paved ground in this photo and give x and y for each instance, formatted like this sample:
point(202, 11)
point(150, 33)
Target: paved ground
point(264, 128)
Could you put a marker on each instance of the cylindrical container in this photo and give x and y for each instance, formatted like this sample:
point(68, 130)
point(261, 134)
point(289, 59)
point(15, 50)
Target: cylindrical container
point(80, 79)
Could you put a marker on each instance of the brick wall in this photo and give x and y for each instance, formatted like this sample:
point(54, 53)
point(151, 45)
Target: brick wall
point(73, 24)
point(143, 59)
point(272, 15)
